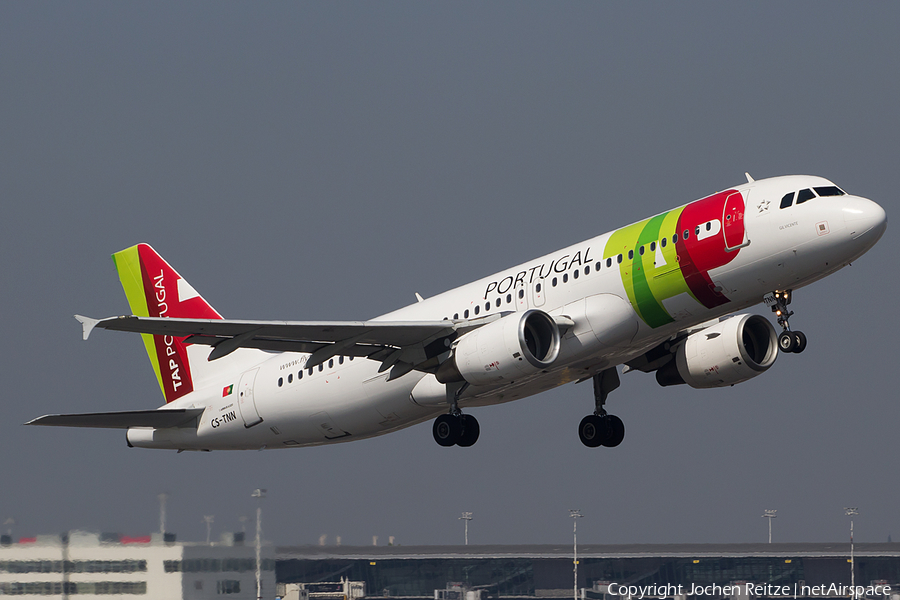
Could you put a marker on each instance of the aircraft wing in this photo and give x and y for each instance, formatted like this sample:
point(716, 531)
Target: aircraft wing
point(400, 345)
point(170, 417)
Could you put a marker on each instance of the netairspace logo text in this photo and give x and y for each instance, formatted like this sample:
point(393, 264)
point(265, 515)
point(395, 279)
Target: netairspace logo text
point(737, 589)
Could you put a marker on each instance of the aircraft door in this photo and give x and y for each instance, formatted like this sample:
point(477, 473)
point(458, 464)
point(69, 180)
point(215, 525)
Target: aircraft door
point(246, 401)
point(733, 223)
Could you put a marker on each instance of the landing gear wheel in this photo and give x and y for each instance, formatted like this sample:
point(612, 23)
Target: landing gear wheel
point(615, 431)
point(799, 341)
point(447, 430)
point(470, 431)
point(787, 341)
point(592, 431)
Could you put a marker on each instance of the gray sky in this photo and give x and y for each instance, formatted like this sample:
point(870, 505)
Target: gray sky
point(328, 160)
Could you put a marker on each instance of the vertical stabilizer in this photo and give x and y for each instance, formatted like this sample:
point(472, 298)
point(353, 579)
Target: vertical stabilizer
point(155, 289)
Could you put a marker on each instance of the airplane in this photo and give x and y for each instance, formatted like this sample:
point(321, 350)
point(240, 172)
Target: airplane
point(657, 296)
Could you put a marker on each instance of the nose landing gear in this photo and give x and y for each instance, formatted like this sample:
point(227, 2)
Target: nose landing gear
point(600, 428)
point(788, 341)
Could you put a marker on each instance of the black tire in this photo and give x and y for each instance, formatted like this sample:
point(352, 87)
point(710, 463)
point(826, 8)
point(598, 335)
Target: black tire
point(447, 430)
point(616, 429)
point(470, 431)
point(787, 342)
point(800, 340)
point(592, 431)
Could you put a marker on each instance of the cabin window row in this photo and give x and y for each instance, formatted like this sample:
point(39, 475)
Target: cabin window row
point(310, 370)
point(586, 269)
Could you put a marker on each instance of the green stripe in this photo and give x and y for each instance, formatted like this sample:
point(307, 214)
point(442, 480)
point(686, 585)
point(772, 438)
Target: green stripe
point(128, 264)
point(651, 311)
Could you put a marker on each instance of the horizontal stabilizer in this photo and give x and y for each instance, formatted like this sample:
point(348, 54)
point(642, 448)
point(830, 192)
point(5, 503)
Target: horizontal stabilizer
point(158, 419)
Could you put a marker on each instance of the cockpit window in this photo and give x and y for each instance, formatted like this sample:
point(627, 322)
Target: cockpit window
point(787, 200)
point(804, 195)
point(829, 190)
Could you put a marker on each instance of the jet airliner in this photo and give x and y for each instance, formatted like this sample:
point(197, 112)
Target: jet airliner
point(656, 296)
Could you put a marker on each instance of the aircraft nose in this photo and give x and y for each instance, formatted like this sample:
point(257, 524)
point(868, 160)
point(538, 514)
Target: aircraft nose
point(864, 218)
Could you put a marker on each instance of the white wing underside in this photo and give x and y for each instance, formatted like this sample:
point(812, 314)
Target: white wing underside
point(399, 345)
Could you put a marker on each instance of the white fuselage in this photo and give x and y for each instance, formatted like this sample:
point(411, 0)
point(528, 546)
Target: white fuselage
point(278, 403)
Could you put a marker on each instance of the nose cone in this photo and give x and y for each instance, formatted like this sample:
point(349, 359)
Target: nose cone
point(866, 221)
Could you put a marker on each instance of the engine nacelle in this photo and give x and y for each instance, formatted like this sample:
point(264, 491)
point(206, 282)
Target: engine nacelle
point(503, 350)
point(730, 352)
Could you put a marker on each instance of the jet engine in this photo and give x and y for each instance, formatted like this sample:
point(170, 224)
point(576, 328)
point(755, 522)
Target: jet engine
point(727, 353)
point(503, 350)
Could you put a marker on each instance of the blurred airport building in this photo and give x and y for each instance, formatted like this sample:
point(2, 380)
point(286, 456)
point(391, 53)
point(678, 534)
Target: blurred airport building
point(78, 565)
point(545, 571)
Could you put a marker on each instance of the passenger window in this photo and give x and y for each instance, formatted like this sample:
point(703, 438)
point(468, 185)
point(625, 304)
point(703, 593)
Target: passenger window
point(576, 273)
point(565, 278)
point(466, 314)
point(477, 309)
point(553, 283)
point(630, 254)
point(587, 269)
point(330, 363)
point(597, 266)
point(487, 306)
point(609, 262)
point(498, 302)
point(641, 250)
point(340, 360)
point(829, 190)
point(708, 225)
point(675, 238)
point(652, 246)
point(455, 316)
point(320, 368)
point(662, 242)
point(309, 371)
point(521, 294)
point(619, 259)
point(291, 378)
point(280, 382)
point(538, 287)
point(697, 231)
point(787, 200)
point(299, 374)
point(508, 298)
point(804, 195)
point(686, 234)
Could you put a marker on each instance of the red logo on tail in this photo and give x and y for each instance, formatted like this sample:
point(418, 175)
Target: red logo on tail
point(162, 287)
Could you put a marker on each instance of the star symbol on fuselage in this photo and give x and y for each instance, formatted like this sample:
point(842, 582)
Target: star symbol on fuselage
point(763, 206)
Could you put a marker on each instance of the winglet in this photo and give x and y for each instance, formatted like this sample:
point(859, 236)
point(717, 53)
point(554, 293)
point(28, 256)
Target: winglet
point(419, 298)
point(87, 325)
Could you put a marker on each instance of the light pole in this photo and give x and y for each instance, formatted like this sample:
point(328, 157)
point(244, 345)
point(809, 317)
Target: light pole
point(770, 514)
point(259, 494)
point(208, 519)
point(851, 512)
point(575, 514)
point(466, 516)
point(162, 513)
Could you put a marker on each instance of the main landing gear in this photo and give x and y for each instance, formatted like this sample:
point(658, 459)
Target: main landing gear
point(601, 429)
point(456, 429)
point(788, 341)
